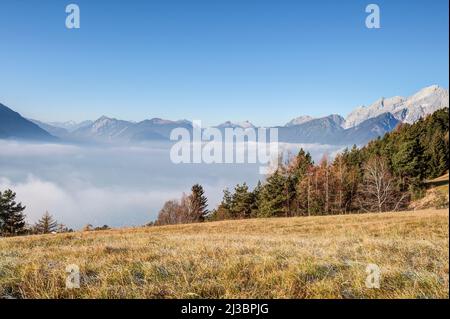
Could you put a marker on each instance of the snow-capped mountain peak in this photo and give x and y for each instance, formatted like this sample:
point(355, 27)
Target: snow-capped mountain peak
point(102, 122)
point(426, 92)
point(229, 124)
point(299, 120)
point(407, 110)
point(70, 125)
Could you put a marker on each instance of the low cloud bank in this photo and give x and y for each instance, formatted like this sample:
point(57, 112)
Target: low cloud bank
point(114, 185)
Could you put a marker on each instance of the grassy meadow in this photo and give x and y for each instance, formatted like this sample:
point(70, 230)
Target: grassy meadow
point(304, 257)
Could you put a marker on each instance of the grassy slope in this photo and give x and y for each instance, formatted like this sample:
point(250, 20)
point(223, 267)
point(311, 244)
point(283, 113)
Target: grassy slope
point(310, 257)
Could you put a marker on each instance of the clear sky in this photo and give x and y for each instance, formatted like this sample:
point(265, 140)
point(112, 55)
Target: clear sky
point(216, 60)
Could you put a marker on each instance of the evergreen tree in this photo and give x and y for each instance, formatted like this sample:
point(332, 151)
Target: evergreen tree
point(438, 153)
point(242, 201)
point(12, 218)
point(199, 203)
point(408, 162)
point(290, 195)
point(300, 165)
point(223, 211)
point(227, 200)
point(297, 174)
point(256, 199)
point(273, 197)
point(46, 224)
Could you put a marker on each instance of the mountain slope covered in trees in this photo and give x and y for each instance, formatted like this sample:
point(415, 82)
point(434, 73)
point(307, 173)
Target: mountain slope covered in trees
point(384, 175)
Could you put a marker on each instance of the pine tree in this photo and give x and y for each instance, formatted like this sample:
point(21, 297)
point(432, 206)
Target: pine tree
point(300, 165)
point(256, 200)
point(224, 210)
point(289, 192)
point(199, 203)
point(273, 198)
point(12, 218)
point(297, 173)
point(46, 224)
point(353, 174)
point(242, 201)
point(438, 150)
point(408, 162)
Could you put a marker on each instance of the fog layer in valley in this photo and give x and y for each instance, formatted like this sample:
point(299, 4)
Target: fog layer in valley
point(114, 185)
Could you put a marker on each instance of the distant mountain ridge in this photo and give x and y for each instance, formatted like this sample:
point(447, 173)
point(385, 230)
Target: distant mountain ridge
point(229, 124)
point(329, 130)
point(53, 130)
point(70, 126)
point(322, 129)
point(361, 125)
point(299, 120)
point(366, 123)
point(107, 129)
point(406, 110)
point(14, 126)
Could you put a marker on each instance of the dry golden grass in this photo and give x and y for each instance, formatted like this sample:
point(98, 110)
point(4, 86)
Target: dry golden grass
point(309, 257)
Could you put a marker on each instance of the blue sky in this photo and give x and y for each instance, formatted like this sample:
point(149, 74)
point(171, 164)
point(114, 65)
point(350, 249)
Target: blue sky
point(215, 60)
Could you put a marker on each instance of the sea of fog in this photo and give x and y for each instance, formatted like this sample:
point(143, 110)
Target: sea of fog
point(117, 185)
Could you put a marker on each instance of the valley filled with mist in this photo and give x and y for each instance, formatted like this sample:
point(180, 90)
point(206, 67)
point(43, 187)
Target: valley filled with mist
point(117, 185)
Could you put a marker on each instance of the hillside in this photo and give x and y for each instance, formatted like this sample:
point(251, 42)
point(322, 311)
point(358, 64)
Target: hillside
point(306, 257)
point(436, 194)
point(13, 125)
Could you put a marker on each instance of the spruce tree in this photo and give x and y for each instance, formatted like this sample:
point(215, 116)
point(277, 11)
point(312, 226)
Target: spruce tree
point(273, 196)
point(438, 151)
point(46, 224)
point(256, 200)
point(223, 211)
point(408, 163)
point(12, 218)
point(242, 201)
point(199, 203)
point(300, 165)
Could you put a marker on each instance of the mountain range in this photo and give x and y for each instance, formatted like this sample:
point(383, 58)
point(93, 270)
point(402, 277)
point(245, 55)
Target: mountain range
point(361, 125)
